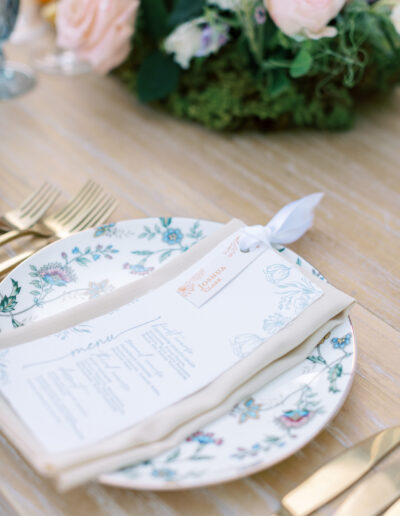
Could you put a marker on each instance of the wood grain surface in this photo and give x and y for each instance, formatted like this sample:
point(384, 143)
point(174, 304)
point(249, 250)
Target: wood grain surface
point(67, 130)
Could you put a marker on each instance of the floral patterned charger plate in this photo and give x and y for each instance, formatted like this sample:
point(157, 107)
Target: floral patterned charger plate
point(264, 429)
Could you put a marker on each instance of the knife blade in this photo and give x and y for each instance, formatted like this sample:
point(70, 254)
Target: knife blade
point(374, 495)
point(340, 473)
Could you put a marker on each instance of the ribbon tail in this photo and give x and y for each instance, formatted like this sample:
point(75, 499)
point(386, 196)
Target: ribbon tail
point(294, 219)
point(287, 226)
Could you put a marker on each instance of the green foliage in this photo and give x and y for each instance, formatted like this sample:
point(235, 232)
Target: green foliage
point(301, 64)
point(261, 78)
point(156, 15)
point(8, 303)
point(158, 77)
point(185, 10)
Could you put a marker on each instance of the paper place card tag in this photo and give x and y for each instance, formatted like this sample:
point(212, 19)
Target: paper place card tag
point(220, 267)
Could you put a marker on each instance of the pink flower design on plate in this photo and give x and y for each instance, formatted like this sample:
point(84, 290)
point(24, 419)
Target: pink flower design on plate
point(56, 274)
point(296, 418)
point(204, 438)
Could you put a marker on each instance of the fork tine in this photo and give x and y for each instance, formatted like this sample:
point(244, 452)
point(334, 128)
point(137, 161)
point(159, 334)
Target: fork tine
point(79, 218)
point(105, 215)
point(102, 215)
point(92, 214)
point(86, 215)
point(32, 198)
point(35, 207)
point(36, 200)
point(45, 203)
point(75, 200)
point(86, 202)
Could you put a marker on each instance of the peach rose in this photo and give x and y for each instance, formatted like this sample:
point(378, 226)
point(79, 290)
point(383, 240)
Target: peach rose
point(99, 31)
point(305, 17)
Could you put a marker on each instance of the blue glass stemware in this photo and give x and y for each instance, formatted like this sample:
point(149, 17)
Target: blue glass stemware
point(15, 79)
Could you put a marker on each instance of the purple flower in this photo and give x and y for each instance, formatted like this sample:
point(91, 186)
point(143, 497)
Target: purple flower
point(260, 15)
point(222, 39)
point(212, 38)
point(206, 39)
point(56, 274)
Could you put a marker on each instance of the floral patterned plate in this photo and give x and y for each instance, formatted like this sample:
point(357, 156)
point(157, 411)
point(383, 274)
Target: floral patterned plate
point(260, 431)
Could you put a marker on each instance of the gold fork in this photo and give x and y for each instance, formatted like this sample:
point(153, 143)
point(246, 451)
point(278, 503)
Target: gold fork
point(29, 212)
point(96, 213)
point(87, 195)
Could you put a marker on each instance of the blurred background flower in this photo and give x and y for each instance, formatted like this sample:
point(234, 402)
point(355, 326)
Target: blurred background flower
point(98, 32)
point(195, 38)
point(305, 17)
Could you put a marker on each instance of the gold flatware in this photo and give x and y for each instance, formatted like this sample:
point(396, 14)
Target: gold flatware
point(374, 495)
point(394, 510)
point(95, 214)
point(89, 194)
point(29, 212)
point(339, 474)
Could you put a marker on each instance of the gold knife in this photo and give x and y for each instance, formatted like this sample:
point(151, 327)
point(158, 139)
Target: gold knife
point(339, 474)
point(374, 495)
point(394, 510)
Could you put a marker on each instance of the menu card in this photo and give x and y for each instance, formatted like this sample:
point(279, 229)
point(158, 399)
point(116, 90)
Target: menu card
point(83, 385)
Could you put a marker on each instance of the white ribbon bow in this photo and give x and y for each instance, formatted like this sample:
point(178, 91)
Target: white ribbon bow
point(287, 226)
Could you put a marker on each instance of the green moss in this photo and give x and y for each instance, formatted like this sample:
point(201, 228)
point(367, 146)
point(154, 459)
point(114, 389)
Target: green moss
point(228, 91)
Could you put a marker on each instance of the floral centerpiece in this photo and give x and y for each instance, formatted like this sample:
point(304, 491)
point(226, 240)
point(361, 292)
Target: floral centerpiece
point(230, 64)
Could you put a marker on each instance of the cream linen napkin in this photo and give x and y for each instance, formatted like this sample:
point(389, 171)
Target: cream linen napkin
point(168, 427)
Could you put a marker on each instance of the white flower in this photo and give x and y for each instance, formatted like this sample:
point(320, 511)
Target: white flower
point(184, 42)
point(395, 17)
point(195, 39)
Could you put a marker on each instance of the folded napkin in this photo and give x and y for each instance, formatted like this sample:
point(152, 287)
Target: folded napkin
point(165, 428)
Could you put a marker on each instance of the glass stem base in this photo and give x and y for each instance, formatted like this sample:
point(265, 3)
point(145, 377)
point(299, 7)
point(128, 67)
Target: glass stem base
point(60, 62)
point(15, 80)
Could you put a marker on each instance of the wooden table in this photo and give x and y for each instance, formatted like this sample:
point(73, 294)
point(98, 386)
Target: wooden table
point(69, 129)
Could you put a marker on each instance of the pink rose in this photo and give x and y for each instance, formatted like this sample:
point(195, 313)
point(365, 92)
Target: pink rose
point(99, 31)
point(305, 17)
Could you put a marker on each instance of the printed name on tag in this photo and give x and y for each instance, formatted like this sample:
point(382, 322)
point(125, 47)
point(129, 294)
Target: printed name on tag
point(217, 269)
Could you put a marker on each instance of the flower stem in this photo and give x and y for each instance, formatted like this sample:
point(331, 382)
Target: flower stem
point(246, 14)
